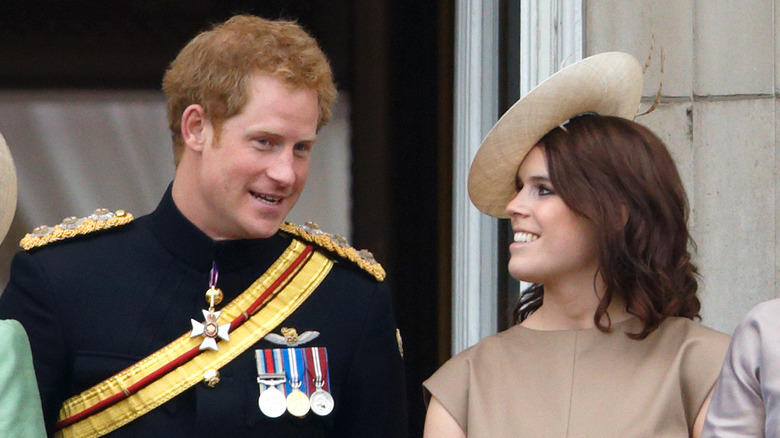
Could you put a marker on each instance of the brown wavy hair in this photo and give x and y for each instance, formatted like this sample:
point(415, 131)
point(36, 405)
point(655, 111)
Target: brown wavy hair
point(214, 68)
point(619, 175)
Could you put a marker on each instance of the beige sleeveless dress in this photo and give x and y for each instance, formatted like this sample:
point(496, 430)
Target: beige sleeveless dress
point(582, 383)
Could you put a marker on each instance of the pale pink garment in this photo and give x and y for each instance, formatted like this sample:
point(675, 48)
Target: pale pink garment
point(746, 400)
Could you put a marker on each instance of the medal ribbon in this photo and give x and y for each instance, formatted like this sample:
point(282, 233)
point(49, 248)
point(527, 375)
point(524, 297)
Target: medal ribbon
point(294, 357)
point(318, 372)
point(279, 366)
point(266, 367)
point(268, 362)
point(213, 276)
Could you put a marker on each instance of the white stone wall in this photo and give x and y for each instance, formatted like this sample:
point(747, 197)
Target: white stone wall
point(718, 117)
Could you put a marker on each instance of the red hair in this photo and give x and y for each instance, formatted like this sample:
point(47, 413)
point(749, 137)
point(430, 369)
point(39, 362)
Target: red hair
point(214, 68)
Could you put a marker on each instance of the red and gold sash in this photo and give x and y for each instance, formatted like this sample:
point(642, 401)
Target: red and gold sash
point(180, 365)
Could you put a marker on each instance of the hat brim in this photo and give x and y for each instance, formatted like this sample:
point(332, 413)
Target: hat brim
point(606, 84)
point(7, 188)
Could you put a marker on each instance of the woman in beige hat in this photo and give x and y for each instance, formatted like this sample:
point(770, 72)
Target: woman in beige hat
point(20, 404)
point(605, 344)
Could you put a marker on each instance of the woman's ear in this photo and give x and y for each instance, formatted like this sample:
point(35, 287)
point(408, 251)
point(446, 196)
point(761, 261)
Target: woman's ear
point(196, 128)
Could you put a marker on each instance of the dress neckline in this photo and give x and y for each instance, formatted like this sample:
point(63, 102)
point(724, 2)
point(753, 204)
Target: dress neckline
point(626, 322)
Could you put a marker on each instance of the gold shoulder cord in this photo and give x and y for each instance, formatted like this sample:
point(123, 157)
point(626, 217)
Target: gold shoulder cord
point(100, 219)
point(291, 293)
point(311, 232)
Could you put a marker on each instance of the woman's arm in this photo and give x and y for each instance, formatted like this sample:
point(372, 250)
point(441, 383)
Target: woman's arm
point(20, 404)
point(737, 408)
point(439, 423)
point(699, 423)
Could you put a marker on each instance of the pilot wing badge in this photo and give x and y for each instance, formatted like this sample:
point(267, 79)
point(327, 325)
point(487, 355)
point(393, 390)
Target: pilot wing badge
point(291, 338)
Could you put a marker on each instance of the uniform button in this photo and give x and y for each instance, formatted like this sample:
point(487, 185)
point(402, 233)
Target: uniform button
point(211, 378)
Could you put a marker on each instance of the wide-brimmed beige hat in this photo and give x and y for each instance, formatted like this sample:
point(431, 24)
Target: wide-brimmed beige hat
point(7, 188)
point(606, 84)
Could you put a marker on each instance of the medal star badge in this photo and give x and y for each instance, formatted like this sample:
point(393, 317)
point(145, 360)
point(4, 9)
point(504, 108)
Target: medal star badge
point(210, 329)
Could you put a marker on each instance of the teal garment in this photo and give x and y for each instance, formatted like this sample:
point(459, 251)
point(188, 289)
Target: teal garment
point(20, 404)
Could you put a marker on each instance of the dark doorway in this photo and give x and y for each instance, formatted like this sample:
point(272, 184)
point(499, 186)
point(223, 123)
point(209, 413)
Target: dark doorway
point(402, 146)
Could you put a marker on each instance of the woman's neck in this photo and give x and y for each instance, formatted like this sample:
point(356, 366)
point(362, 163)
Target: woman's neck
point(571, 305)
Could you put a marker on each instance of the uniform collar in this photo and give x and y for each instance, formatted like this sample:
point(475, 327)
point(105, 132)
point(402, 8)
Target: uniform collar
point(189, 244)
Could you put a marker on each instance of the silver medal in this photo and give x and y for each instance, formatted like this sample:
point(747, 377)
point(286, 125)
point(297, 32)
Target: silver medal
point(321, 402)
point(272, 402)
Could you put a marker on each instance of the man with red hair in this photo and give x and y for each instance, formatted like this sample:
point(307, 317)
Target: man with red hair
point(211, 316)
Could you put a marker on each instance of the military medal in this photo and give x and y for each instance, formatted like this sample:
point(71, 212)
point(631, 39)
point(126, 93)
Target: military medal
point(209, 329)
point(272, 401)
point(320, 400)
point(297, 401)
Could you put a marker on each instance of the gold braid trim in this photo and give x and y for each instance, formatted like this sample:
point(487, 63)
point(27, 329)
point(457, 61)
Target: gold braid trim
point(291, 294)
point(71, 227)
point(311, 233)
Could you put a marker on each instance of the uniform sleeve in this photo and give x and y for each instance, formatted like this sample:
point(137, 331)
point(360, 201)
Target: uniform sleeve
point(449, 384)
point(20, 405)
point(28, 299)
point(737, 409)
point(375, 394)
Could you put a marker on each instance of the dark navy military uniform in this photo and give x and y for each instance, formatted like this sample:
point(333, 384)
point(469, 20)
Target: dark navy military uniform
point(96, 304)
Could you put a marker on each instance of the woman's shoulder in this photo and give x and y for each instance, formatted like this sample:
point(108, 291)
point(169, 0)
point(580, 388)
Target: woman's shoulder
point(514, 337)
point(689, 330)
point(451, 383)
point(697, 346)
point(11, 329)
point(516, 345)
point(766, 311)
point(760, 325)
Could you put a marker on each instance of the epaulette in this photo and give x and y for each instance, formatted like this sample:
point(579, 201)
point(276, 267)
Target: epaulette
point(311, 232)
point(100, 219)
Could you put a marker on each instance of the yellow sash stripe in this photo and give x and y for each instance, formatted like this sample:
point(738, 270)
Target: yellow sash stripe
point(177, 381)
